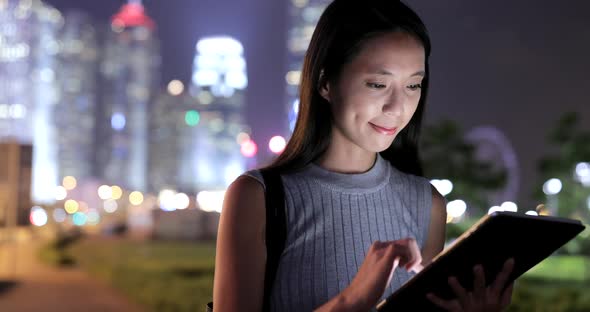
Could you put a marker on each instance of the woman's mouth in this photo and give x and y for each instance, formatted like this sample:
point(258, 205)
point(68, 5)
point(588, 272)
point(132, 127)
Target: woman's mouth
point(384, 130)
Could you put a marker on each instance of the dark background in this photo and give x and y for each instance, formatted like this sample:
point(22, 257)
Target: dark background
point(515, 65)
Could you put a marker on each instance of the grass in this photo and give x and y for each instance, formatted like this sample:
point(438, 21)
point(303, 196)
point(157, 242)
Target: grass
point(559, 283)
point(175, 276)
point(570, 268)
point(161, 276)
point(540, 295)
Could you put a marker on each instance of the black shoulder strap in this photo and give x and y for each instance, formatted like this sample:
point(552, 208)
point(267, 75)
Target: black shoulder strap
point(276, 229)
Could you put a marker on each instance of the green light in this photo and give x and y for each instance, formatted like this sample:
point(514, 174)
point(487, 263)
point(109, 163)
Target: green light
point(192, 118)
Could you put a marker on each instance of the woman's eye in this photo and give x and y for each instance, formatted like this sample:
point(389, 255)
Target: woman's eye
point(415, 87)
point(375, 85)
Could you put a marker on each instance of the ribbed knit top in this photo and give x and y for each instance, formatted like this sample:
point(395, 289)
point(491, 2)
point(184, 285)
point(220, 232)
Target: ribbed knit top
point(332, 220)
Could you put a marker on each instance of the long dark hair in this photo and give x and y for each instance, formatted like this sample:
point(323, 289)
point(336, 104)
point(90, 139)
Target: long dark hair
point(339, 36)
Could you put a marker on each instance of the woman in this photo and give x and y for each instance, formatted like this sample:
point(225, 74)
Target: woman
point(356, 204)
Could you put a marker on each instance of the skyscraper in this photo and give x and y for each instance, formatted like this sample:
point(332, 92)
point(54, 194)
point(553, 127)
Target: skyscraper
point(28, 84)
point(218, 83)
point(130, 73)
point(172, 119)
point(74, 114)
point(303, 17)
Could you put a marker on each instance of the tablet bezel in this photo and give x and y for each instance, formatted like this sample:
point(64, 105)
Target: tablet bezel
point(481, 228)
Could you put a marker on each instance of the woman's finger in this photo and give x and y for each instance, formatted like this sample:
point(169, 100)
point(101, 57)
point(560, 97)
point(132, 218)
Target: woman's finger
point(507, 295)
point(449, 305)
point(395, 264)
point(415, 253)
point(410, 252)
point(502, 278)
point(417, 268)
point(459, 291)
point(479, 282)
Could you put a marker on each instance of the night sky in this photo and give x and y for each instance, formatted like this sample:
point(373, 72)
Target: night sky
point(515, 65)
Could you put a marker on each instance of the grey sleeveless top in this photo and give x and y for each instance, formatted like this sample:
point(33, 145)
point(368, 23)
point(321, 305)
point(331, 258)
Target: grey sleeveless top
point(332, 220)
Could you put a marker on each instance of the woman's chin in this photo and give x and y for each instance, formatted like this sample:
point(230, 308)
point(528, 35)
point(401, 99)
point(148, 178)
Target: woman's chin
point(378, 147)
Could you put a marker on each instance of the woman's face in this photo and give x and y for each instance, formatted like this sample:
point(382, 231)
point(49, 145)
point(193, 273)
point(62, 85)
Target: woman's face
point(376, 93)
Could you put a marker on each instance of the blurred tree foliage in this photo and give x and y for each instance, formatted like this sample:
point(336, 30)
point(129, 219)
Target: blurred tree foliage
point(446, 154)
point(571, 146)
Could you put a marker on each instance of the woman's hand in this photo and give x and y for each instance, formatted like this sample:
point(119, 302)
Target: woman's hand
point(375, 274)
point(494, 298)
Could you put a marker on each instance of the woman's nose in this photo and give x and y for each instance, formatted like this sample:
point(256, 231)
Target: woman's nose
point(394, 105)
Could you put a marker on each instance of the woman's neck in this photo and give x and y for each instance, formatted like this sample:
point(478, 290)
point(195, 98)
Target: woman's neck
point(343, 160)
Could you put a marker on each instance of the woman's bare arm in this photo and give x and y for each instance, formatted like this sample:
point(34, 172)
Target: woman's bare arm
point(240, 258)
point(435, 241)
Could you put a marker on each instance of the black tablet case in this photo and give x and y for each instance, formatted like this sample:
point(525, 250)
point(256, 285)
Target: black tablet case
point(490, 242)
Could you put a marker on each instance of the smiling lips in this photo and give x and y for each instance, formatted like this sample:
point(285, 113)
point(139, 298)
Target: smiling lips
point(383, 130)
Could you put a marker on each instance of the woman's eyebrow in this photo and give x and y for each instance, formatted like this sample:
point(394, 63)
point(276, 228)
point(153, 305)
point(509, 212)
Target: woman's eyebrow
point(385, 72)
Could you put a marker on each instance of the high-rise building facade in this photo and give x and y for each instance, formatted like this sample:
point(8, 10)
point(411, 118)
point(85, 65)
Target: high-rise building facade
point(130, 76)
point(29, 86)
point(172, 119)
point(303, 17)
point(219, 82)
point(74, 115)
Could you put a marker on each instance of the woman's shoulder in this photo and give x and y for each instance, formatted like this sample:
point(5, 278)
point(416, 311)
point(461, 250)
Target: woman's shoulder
point(254, 176)
point(423, 185)
point(244, 201)
point(286, 176)
point(398, 176)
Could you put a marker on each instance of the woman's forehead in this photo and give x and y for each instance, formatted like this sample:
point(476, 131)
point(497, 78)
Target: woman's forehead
point(391, 53)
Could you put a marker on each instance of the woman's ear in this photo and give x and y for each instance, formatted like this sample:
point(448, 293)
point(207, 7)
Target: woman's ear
point(324, 86)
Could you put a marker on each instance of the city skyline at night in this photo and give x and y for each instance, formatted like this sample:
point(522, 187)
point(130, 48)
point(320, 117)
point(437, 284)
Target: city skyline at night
point(96, 114)
point(130, 73)
point(501, 44)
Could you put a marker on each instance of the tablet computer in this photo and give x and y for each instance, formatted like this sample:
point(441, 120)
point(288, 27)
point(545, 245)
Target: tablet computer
point(490, 242)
